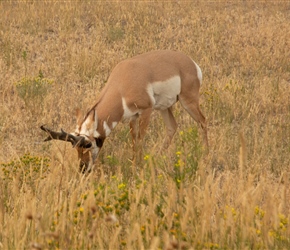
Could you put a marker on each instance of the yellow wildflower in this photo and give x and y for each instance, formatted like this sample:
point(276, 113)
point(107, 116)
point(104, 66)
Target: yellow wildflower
point(121, 186)
point(146, 157)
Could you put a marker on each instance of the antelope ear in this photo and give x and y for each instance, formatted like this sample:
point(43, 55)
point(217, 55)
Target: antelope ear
point(80, 116)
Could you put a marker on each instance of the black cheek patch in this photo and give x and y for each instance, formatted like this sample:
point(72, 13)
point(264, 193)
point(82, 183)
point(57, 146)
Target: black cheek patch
point(88, 145)
point(99, 142)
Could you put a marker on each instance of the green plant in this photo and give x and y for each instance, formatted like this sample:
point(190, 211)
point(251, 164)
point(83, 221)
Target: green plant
point(115, 34)
point(33, 90)
point(26, 166)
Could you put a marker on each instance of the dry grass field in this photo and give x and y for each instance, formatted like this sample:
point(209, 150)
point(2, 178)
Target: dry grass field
point(55, 56)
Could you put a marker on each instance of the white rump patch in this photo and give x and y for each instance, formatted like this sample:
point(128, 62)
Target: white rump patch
point(199, 73)
point(164, 93)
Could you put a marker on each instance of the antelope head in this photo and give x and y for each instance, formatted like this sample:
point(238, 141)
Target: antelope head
point(84, 140)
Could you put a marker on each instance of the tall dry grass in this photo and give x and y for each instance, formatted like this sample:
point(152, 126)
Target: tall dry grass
point(56, 56)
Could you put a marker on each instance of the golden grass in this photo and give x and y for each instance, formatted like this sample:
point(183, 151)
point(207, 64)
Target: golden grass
point(237, 197)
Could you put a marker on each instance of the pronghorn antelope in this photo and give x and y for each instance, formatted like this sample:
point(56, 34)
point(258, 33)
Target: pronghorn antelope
point(137, 86)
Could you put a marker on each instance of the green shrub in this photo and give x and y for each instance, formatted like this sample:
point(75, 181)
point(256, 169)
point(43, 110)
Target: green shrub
point(27, 166)
point(33, 90)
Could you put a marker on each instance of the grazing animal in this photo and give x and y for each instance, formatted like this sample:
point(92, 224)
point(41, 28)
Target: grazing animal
point(137, 86)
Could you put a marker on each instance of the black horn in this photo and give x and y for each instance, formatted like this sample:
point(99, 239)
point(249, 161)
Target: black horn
point(79, 141)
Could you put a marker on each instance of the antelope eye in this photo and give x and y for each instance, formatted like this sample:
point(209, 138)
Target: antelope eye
point(99, 142)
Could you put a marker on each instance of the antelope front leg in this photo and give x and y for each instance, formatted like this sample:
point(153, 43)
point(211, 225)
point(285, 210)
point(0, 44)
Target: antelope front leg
point(136, 141)
point(134, 134)
point(170, 124)
point(138, 131)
